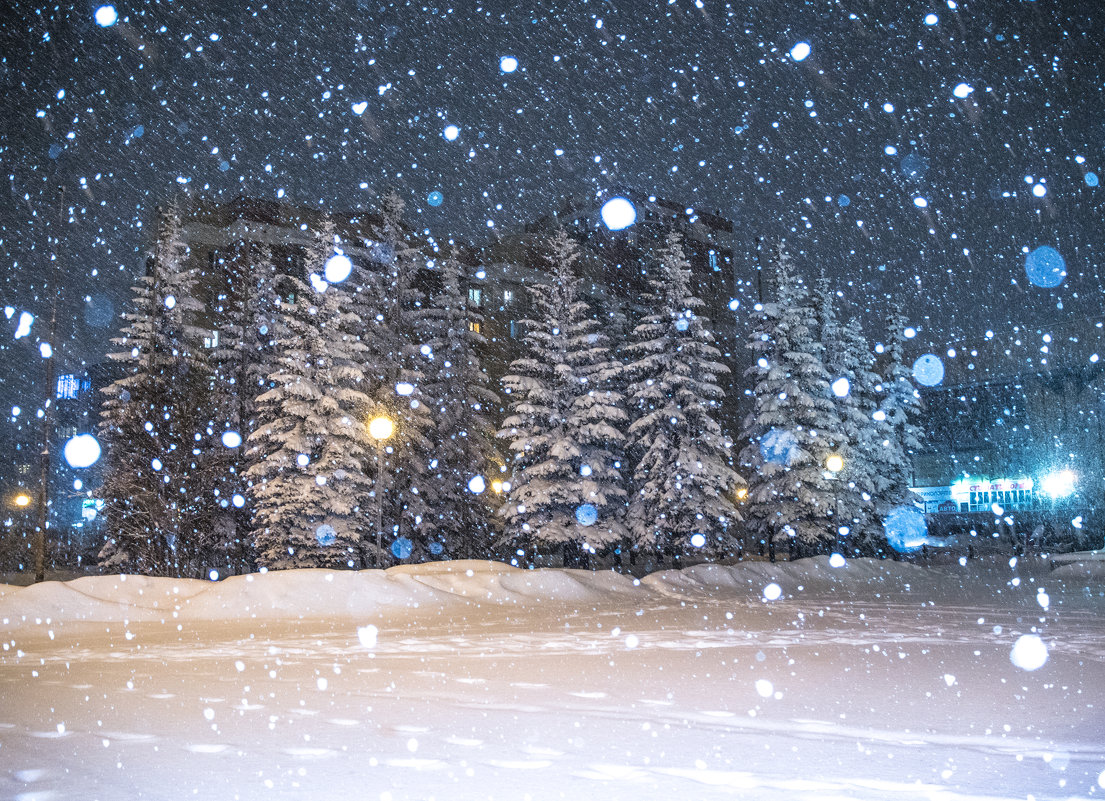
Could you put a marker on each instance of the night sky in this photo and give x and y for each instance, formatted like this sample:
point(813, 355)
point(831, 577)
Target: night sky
point(703, 105)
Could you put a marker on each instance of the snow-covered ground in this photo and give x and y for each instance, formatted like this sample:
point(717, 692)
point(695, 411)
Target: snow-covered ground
point(472, 680)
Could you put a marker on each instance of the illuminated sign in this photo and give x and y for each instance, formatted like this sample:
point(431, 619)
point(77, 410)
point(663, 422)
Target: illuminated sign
point(980, 495)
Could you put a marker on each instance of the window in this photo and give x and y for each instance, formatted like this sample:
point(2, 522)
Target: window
point(474, 327)
point(211, 341)
point(474, 295)
point(68, 387)
point(713, 261)
point(508, 295)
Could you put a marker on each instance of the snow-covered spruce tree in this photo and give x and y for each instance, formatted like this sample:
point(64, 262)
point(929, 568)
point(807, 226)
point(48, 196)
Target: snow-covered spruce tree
point(845, 350)
point(901, 407)
point(241, 359)
point(310, 447)
point(151, 418)
point(400, 358)
point(793, 426)
point(565, 426)
point(683, 484)
point(132, 485)
point(459, 479)
point(868, 433)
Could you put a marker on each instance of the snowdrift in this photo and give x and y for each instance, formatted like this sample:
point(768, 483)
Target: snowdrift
point(445, 588)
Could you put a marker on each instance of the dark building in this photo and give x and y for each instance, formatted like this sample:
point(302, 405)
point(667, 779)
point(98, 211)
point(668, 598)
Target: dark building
point(613, 262)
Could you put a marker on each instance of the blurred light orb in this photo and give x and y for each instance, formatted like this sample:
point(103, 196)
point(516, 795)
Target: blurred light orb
point(238, 500)
point(920, 202)
point(435, 198)
point(1091, 179)
point(99, 311)
point(1029, 652)
point(682, 324)
point(302, 460)
point(697, 540)
point(963, 90)
point(106, 16)
point(402, 548)
point(801, 51)
point(773, 591)
point(476, 485)
point(232, 439)
point(835, 463)
point(928, 370)
point(843, 201)
point(436, 548)
point(451, 132)
point(586, 514)
point(914, 165)
point(82, 451)
point(360, 108)
point(931, 19)
point(508, 63)
point(170, 301)
point(778, 446)
point(367, 635)
point(618, 213)
point(404, 388)
point(764, 688)
point(1045, 267)
point(836, 560)
point(326, 535)
point(338, 267)
point(1039, 190)
point(841, 387)
point(905, 529)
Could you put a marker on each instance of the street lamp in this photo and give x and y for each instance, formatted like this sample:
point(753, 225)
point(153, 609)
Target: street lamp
point(380, 427)
point(834, 464)
point(22, 500)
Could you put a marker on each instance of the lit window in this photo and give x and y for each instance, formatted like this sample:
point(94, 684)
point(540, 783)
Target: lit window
point(474, 296)
point(508, 295)
point(474, 327)
point(68, 386)
point(713, 261)
point(211, 341)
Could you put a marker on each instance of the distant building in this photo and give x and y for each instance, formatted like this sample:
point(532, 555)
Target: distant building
point(1016, 428)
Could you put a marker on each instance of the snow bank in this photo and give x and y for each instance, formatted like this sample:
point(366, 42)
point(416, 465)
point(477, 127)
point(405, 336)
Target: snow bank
point(445, 588)
point(303, 594)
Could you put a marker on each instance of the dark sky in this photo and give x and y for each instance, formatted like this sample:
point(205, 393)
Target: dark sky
point(705, 106)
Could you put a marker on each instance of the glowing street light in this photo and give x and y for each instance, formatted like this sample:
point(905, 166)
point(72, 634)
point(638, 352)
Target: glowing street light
point(834, 464)
point(380, 428)
point(22, 500)
point(1059, 484)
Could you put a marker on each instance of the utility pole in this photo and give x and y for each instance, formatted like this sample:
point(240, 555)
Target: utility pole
point(48, 399)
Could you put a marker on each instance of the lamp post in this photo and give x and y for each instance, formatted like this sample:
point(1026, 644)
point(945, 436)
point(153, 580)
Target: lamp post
point(380, 428)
